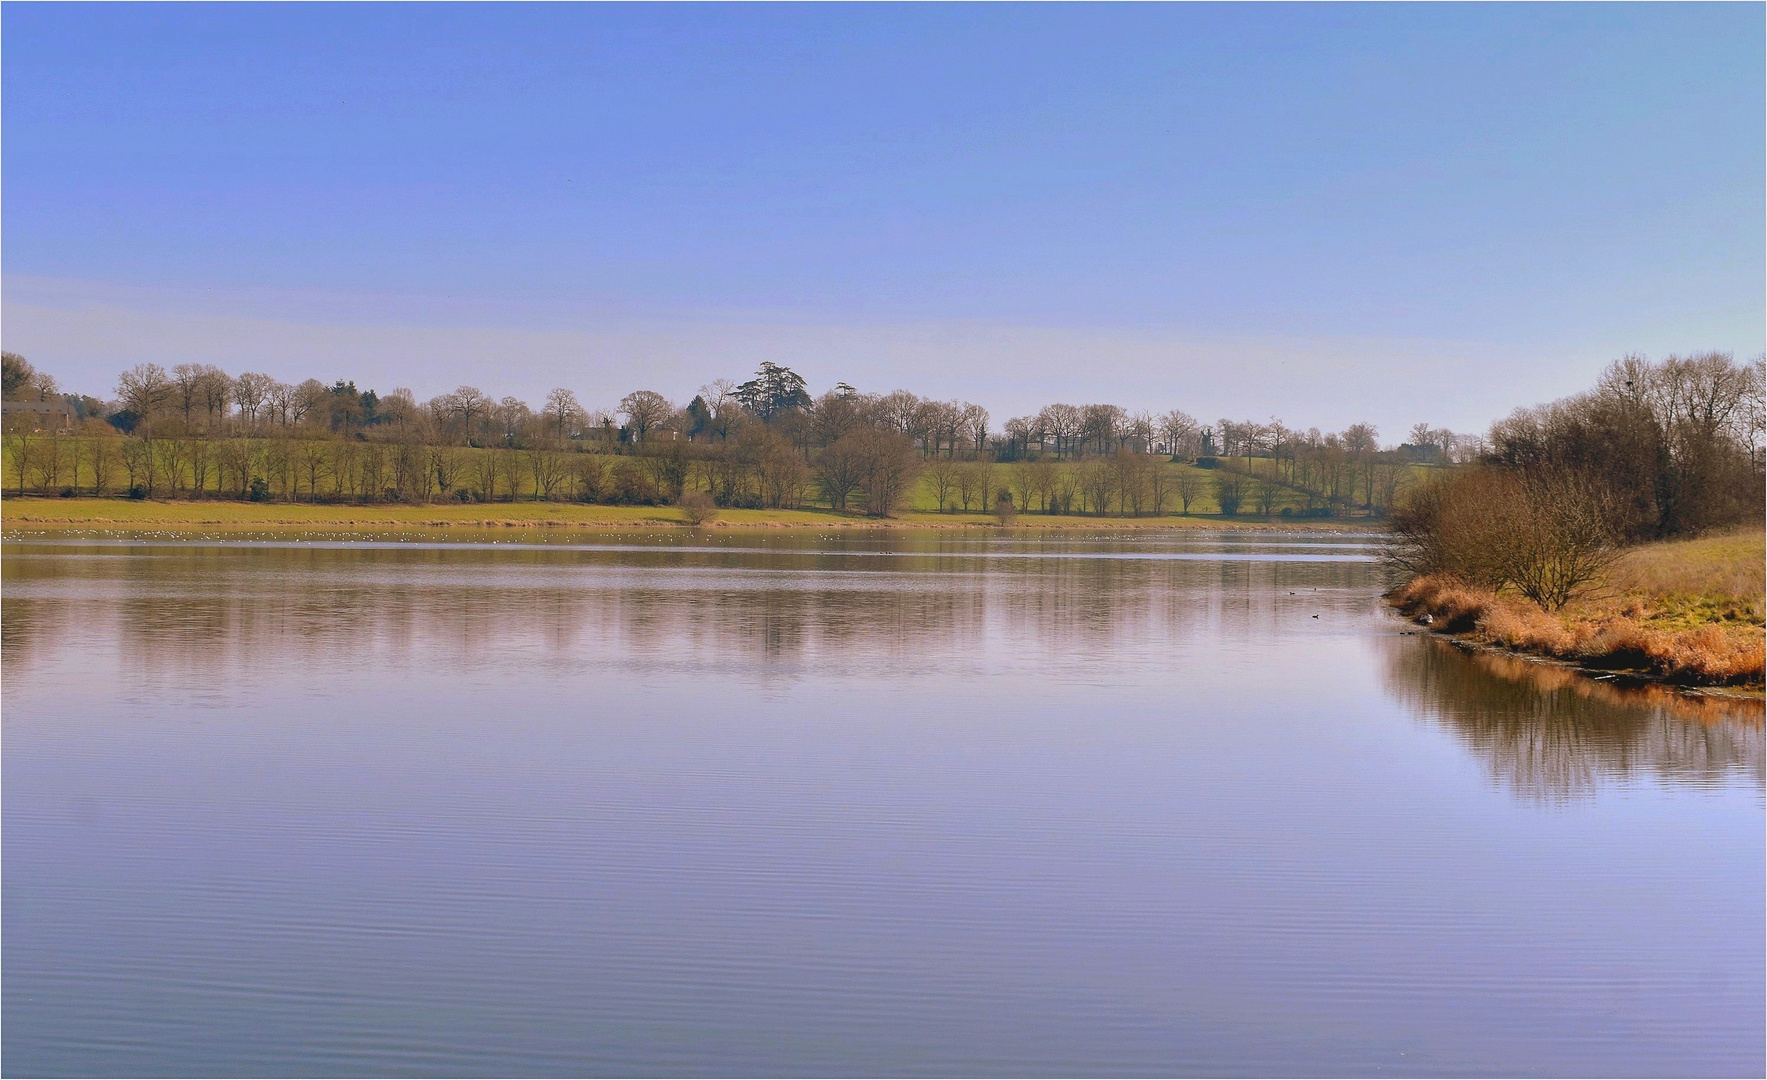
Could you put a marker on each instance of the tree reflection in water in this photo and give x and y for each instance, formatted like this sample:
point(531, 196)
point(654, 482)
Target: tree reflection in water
point(1548, 732)
point(196, 614)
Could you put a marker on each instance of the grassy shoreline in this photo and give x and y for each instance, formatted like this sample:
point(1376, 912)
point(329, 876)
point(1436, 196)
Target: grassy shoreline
point(39, 514)
point(1687, 612)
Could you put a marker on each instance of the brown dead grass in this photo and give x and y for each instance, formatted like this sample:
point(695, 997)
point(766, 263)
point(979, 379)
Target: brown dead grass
point(1728, 566)
point(1616, 633)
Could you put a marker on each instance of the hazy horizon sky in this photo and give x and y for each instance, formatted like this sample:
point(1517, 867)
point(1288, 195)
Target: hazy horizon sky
point(1323, 213)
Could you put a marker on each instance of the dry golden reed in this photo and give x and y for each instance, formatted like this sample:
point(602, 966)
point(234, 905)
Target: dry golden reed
point(1612, 634)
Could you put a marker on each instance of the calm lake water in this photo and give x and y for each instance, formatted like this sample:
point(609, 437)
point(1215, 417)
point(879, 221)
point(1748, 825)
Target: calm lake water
point(787, 804)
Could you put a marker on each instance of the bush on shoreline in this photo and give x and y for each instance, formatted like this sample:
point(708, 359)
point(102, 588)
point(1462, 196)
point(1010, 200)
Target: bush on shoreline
point(1547, 534)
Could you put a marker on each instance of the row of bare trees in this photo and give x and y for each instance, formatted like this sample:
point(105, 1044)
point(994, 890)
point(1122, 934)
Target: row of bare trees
point(869, 469)
point(201, 398)
point(1073, 430)
point(764, 442)
point(1666, 436)
point(1675, 447)
point(1654, 451)
point(198, 466)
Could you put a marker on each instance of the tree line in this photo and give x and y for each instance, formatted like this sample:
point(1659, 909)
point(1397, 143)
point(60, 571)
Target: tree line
point(1654, 451)
point(196, 431)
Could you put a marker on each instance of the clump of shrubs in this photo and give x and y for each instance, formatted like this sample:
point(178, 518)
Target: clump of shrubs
point(1548, 534)
point(630, 484)
point(1451, 605)
point(697, 508)
point(1005, 512)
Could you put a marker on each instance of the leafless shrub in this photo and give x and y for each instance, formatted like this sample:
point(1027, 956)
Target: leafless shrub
point(697, 508)
point(1560, 538)
point(1549, 535)
point(1004, 512)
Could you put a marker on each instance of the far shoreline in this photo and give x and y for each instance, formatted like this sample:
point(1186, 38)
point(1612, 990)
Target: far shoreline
point(44, 514)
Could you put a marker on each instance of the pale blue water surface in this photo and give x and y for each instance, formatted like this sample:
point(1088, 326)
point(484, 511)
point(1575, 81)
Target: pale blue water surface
point(741, 804)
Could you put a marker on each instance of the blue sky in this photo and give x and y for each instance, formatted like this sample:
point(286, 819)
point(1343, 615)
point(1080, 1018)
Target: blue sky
point(1327, 213)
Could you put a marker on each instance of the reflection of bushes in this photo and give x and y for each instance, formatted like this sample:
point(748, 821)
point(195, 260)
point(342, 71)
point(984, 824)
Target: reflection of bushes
point(1550, 732)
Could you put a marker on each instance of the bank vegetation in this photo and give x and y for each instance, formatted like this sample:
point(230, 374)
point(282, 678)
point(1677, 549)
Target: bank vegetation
point(1619, 529)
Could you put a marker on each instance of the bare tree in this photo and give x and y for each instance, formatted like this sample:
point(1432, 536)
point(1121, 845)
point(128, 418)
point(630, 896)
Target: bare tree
point(186, 392)
point(779, 469)
point(1101, 425)
point(835, 414)
point(562, 413)
point(840, 469)
point(1160, 480)
point(1063, 423)
point(722, 405)
point(145, 389)
point(510, 418)
point(445, 466)
point(1266, 488)
point(1131, 475)
point(901, 411)
point(1025, 482)
point(975, 424)
point(466, 409)
point(973, 478)
point(1138, 431)
point(1230, 491)
point(250, 391)
point(941, 478)
point(947, 426)
point(279, 402)
point(1045, 474)
point(697, 508)
point(1021, 432)
point(1062, 488)
point(1547, 533)
point(201, 392)
point(21, 448)
point(307, 400)
point(888, 467)
point(236, 459)
point(1675, 443)
point(312, 458)
point(1360, 442)
point(1097, 485)
point(549, 470)
point(644, 410)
